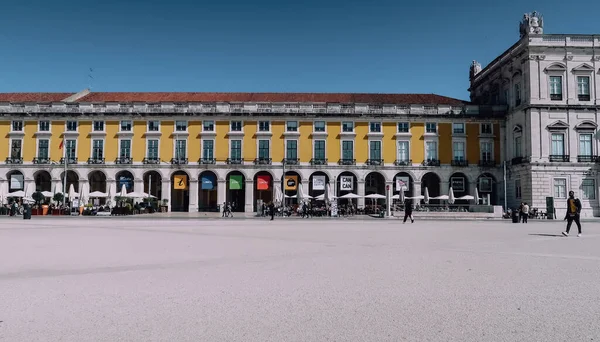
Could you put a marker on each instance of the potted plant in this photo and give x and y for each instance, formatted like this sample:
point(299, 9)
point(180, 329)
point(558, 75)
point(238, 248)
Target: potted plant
point(58, 198)
point(38, 197)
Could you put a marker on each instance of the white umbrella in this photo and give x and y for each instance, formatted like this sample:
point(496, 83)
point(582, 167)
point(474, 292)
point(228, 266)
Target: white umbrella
point(351, 196)
point(396, 196)
point(58, 188)
point(72, 193)
point(2, 192)
point(420, 197)
point(29, 190)
point(451, 198)
point(18, 193)
point(300, 193)
point(97, 194)
point(375, 196)
point(278, 194)
point(148, 195)
point(466, 197)
point(85, 193)
point(426, 196)
point(402, 197)
point(476, 196)
point(326, 194)
point(442, 197)
point(123, 192)
point(134, 195)
point(47, 194)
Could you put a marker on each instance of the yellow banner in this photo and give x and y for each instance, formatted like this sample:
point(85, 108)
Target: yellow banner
point(180, 182)
point(291, 182)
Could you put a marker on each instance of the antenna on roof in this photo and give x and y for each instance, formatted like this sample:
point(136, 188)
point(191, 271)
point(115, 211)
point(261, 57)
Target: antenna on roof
point(90, 78)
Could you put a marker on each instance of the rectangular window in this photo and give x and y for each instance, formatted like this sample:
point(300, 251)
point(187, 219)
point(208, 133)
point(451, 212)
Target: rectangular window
point(347, 149)
point(375, 127)
point(98, 126)
point(583, 88)
point(97, 149)
point(585, 145)
point(208, 147)
point(152, 149)
point(556, 87)
point(236, 126)
point(16, 149)
point(319, 149)
point(180, 149)
point(17, 126)
point(153, 126)
point(518, 188)
point(403, 151)
point(486, 151)
point(486, 128)
point(208, 126)
point(291, 149)
point(558, 144)
point(263, 149)
point(348, 126)
point(43, 145)
point(588, 187)
point(430, 127)
point(431, 150)
point(236, 149)
point(402, 127)
point(518, 147)
point(180, 126)
point(126, 126)
point(375, 150)
point(264, 126)
point(458, 128)
point(291, 126)
point(125, 151)
point(319, 126)
point(71, 149)
point(458, 148)
point(517, 94)
point(44, 126)
point(71, 126)
point(560, 187)
point(506, 97)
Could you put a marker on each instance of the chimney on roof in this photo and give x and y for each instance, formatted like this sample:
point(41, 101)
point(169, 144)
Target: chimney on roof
point(77, 96)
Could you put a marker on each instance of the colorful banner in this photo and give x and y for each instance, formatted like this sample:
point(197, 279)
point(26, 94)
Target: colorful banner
point(235, 182)
point(346, 183)
point(262, 182)
point(180, 182)
point(457, 184)
point(291, 182)
point(208, 182)
point(17, 182)
point(402, 183)
point(318, 182)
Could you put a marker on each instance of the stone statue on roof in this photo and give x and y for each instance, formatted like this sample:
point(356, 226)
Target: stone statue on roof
point(532, 23)
point(474, 69)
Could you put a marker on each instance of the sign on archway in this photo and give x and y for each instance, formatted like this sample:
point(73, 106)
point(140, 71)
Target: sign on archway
point(180, 182)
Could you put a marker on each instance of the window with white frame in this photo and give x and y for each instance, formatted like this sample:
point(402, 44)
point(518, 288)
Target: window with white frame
point(403, 151)
point(263, 149)
point(558, 144)
point(347, 149)
point(180, 126)
point(458, 150)
point(17, 126)
point(71, 149)
point(375, 127)
point(486, 151)
point(97, 149)
point(16, 149)
point(44, 126)
point(560, 187)
point(71, 126)
point(458, 128)
point(375, 150)
point(125, 149)
point(152, 152)
point(236, 149)
point(583, 88)
point(264, 126)
point(319, 126)
point(486, 128)
point(403, 127)
point(180, 149)
point(431, 151)
point(126, 126)
point(585, 144)
point(517, 94)
point(236, 126)
point(153, 126)
point(517, 188)
point(291, 126)
point(348, 126)
point(98, 126)
point(319, 149)
point(588, 189)
point(43, 149)
point(430, 127)
point(291, 149)
point(208, 126)
point(208, 149)
point(555, 88)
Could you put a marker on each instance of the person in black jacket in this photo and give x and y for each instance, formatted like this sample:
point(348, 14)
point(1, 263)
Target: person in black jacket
point(408, 211)
point(272, 210)
point(573, 211)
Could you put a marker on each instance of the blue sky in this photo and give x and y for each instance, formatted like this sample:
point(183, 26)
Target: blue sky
point(384, 46)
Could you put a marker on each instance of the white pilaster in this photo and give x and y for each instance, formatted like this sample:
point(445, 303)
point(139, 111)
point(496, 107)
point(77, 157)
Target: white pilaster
point(416, 191)
point(221, 192)
point(249, 206)
point(389, 192)
point(361, 192)
point(166, 190)
point(193, 196)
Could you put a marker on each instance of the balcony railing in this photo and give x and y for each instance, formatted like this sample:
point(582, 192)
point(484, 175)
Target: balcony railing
point(14, 160)
point(151, 160)
point(431, 162)
point(95, 161)
point(587, 159)
point(403, 162)
point(262, 161)
point(347, 162)
point(487, 163)
point(234, 161)
point(41, 161)
point(207, 161)
point(519, 160)
point(123, 160)
point(559, 157)
point(179, 161)
point(374, 162)
point(459, 162)
point(583, 97)
point(69, 160)
point(318, 161)
point(556, 97)
point(291, 161)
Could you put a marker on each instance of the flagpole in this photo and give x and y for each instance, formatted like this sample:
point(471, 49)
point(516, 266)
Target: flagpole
point(65, 173)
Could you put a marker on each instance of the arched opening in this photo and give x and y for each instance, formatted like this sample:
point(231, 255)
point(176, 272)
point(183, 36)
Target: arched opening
point(43, 181)
point(153, 184)
point(487, 185)
point(460, 184)
point(124, 178)
point(207, 192)
point(346, 183)
point(431, 182)
point(16, 181)
point(180, 194)
point(236, 191)
point(263, 189)
point(292, 184)
point(97, 180)
point(317, 183)
point(404, 181)
point(374, 185)
point(72, 179)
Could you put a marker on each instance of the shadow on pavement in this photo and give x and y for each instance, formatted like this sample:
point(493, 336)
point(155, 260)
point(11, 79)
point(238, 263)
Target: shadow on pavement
point(554, 235)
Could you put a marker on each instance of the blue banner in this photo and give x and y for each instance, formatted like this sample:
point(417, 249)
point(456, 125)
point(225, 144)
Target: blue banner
point(208, 182)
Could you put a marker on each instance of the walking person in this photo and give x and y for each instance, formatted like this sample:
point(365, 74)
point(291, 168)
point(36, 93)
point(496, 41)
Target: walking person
point(525, 210)
point(408, 211)
point(520, 212)
point(224, 209)
point(272, 210)
point(573, 213)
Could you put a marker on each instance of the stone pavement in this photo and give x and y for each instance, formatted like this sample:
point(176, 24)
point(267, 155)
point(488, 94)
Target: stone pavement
point(127, 279)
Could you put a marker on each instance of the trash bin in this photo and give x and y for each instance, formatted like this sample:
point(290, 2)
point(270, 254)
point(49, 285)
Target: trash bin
point(515, 216)
point(26, 212)
point(218, 208)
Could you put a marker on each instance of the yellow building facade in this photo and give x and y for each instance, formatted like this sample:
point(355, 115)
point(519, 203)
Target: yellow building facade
point(236, 147)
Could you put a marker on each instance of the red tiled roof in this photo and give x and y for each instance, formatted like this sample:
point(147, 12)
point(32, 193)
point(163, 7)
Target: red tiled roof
point(272, 97)
point(33, 97)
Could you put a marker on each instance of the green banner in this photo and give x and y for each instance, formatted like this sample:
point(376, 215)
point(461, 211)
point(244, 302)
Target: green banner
point(235, 182)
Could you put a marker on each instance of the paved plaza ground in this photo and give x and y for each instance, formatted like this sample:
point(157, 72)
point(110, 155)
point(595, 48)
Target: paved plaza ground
point(128, 279)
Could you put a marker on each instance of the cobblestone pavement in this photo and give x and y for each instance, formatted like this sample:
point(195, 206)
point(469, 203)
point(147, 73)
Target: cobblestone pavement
point(126, 279)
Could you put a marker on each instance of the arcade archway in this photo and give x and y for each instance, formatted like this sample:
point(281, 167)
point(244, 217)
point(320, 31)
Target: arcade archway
point(97, 180)
point(72, 179)
point(43, 181)
point(263, 188)
point(153, 184)
point(460, 184)
point(405, 181)
point(317, 182)
point(374, 184)
point(487, 185)
point(180, 194)
point(431, 182)
point(207, 191)
point(16, 181)
point(124, 178)
point(292, 183)
point(236, 191)
point(346, 183)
